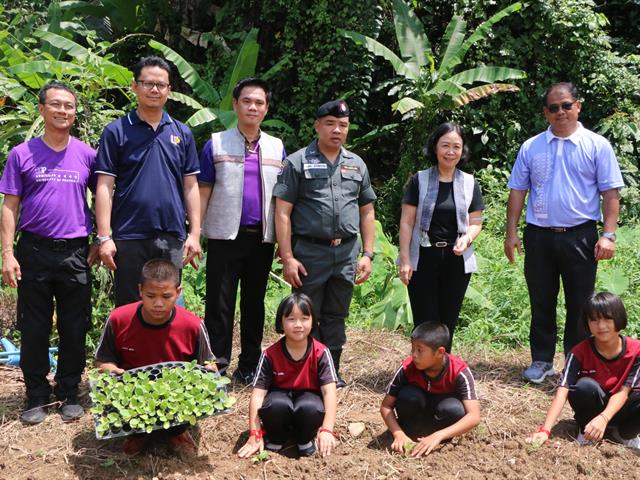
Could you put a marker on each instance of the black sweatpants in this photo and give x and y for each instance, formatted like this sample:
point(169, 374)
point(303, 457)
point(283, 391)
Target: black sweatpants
point(53, 272)
point(131, 255)
point(550, 256)
point(437, 288)
point(420, 413)
point(245, 261)
point(588, 399)
point(293, 415)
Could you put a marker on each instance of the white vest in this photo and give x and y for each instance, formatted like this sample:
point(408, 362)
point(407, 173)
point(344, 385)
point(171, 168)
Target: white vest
point(224, 210)
point(470, 264)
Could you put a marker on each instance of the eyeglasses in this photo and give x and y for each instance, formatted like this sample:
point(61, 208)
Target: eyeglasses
point(566, 106)
point(70, 107)
point(161, 86)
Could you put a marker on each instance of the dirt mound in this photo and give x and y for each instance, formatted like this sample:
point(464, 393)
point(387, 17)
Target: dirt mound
point(495, 449)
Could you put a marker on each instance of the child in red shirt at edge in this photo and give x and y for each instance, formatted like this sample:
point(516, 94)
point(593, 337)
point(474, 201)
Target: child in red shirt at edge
point(600, 378)
point(294, 390)
point(151, 331)
point(433, 391)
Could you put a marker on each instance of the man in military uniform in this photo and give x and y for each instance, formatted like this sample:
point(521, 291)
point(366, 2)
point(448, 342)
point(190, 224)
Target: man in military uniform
point(323, 199)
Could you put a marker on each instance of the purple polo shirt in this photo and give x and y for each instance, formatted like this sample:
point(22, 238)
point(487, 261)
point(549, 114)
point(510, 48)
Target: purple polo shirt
point(52, 187)
point(251, 189)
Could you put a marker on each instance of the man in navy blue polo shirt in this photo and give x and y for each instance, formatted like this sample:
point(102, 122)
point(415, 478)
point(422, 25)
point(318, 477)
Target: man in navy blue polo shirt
point(151, 160)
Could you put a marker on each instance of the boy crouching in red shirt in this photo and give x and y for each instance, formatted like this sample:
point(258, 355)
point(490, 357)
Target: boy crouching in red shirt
point(433, 394)
point(151, 331)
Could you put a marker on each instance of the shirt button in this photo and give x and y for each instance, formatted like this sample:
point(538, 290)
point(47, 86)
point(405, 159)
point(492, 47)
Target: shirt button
point(336, 198)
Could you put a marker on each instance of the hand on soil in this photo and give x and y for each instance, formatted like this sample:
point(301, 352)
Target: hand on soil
point(400, 440)
point(252, 446)
point(594, 430)
point(326, 443)
point(537, 439)
point(426, 444)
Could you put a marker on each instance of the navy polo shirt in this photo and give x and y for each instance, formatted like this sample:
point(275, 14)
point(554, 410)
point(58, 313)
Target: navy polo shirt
point(149, 166)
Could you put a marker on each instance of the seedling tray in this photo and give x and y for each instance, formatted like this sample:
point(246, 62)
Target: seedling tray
point(144, 396)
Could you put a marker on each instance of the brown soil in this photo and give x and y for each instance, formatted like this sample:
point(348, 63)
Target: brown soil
point(510, 410)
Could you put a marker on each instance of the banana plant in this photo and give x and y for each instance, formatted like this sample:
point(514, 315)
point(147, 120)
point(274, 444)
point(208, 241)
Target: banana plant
point(421, 83)
point(211, 104)
point(28, 60)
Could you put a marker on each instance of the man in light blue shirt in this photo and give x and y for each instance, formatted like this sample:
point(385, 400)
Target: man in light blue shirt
point(566, 170)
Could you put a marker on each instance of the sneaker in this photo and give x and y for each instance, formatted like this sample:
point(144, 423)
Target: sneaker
point(35, 411)
point(581, 440)
point(538, 371)
point(633, 442)
point(245, 378)
point(183, 443)
point(307, 449)
point(134, 444)
point(71, 409)
point(273, 447)
point(340, 383)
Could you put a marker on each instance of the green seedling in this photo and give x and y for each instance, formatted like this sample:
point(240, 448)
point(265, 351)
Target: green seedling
point(263, 456)
point(109, 462)
point(140, 402)
point(534, 446)
point(408, 447)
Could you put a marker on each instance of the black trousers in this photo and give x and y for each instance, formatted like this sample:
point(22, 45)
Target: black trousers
point(131, 255)
point(245, 261)
point(420, 412)
point(588, 399)
point(329, 284)
point(550, 256)
point(50, 273)
point(437, 288)
point(293, 415)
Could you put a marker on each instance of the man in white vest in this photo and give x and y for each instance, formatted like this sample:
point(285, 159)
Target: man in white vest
point(238, 170)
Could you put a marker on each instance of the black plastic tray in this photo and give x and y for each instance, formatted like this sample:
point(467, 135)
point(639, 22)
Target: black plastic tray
point(154, 371)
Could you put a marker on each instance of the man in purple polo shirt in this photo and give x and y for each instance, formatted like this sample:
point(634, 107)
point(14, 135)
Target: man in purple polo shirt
point(238, 170)
point(566, 169)
point(44, 184)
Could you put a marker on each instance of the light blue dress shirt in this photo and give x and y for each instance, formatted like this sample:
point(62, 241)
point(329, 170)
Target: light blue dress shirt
point(565, 177)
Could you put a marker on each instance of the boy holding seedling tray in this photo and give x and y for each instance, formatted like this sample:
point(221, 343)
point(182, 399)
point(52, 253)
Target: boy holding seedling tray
point(151, 331)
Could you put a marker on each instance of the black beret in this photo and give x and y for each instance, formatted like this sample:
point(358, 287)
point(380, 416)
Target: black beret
point(335, 108)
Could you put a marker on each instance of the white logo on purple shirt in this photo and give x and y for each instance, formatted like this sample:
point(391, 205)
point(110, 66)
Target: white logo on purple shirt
point(56, 175)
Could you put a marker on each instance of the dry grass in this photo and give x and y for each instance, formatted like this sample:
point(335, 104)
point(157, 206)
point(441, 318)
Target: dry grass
point(495, 449)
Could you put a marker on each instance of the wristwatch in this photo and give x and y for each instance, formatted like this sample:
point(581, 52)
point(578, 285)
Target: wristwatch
point(101, 239)
point(609, 235)
point(369, 255)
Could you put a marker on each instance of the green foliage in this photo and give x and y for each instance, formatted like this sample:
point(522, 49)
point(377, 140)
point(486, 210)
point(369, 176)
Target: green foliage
point(261, 457)
point(496, 309)
point(544, 32)
point(383, 299)
point(214, 107)
point(427, 87)
point(144, 400)
point(36, 51)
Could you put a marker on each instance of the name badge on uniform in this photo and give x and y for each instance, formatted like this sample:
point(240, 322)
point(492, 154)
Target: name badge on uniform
point(350, 168)
point(314, 166)
point(175, 139)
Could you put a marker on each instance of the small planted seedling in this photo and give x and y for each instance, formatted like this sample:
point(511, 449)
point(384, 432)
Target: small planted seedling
point(534, 446)
point(408, 447)
point(157, 396)
point(263, 456)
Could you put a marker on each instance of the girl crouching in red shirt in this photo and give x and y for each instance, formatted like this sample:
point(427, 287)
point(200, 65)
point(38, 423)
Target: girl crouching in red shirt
point(294, 391)
point(600, 378)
